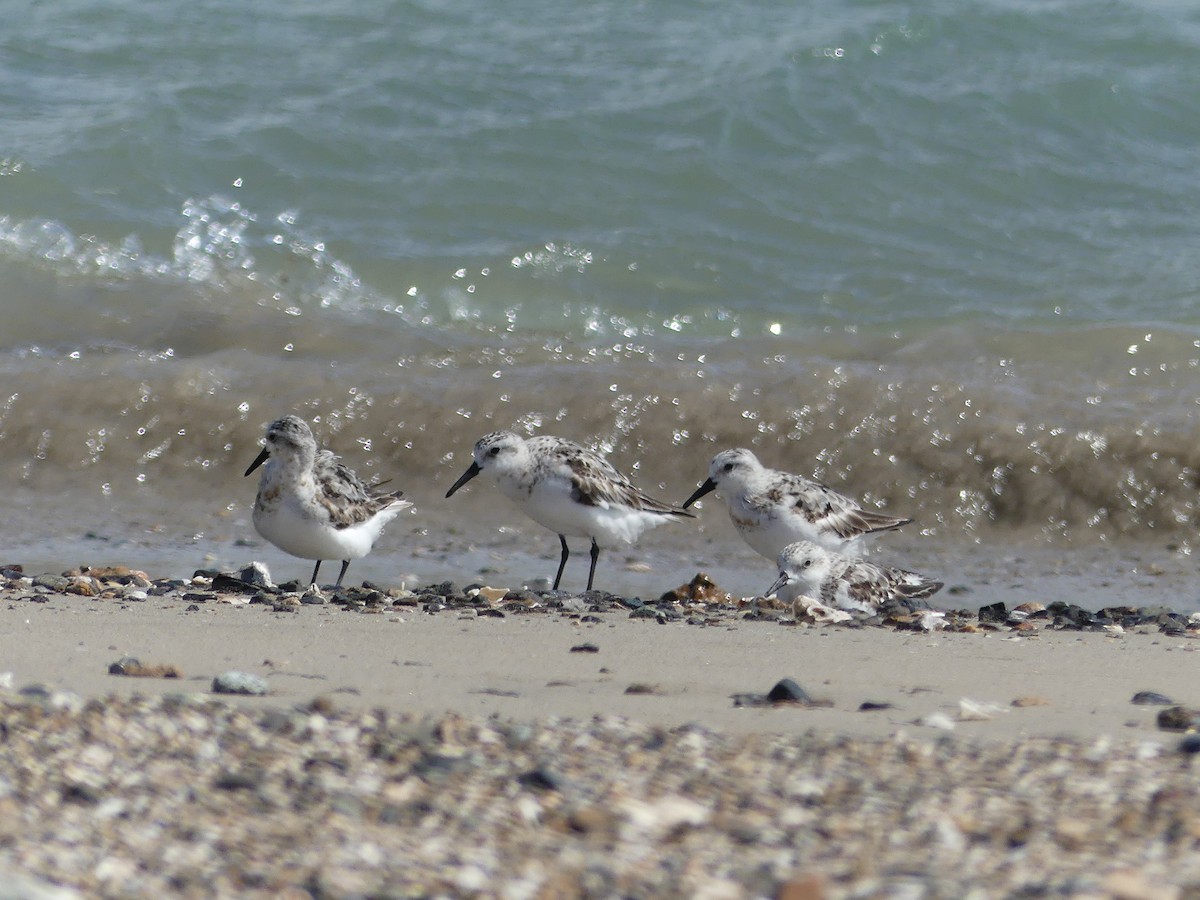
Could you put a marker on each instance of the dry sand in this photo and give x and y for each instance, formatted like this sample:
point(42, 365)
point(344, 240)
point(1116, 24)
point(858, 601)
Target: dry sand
point(523, 666)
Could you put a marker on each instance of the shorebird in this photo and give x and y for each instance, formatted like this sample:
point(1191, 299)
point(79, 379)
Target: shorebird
point(836, 580)
point(569, 489)
point(311, 505)
point(772, 509)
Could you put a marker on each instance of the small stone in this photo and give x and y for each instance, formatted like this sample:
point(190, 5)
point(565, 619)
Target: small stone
point(701, 588)
point(1179, 718)
point(937, 720)
point(1030, 700)
point(1151, 698)
point(313, 597)
point(994, 612)
point(258, 575)
point(585, 648)
point(873, 706)
point(638, 688)
point(240, 683)
point(55, 583)
point(787, 691)
point(1190, 744)
point(131, 667)
point(541, 779)
point(492, 594)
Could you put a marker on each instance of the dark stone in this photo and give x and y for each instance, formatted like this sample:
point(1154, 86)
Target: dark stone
point(631, 602)
point(1179, 718)
point(540, 779)
point(787, 691)
point(599, 598)
point(1070, 616)
point(872, 706)
point(648, 612)
point(492, 613)
point(228, 584)
point(1151, 698)
point(445, 589)
point(1190, 744)
point(124, 665)
point(995, 612)
point(80, 793)
point(237, 781)
point(522, 596)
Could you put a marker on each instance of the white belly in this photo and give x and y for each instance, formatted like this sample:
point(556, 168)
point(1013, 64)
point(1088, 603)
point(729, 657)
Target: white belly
point(608, 526)
point(769, 534)
point(291, 531)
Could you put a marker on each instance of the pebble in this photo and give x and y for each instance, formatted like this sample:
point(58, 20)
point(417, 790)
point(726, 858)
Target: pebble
point(240, 683)
point(1179, 718)
point(1151, 698)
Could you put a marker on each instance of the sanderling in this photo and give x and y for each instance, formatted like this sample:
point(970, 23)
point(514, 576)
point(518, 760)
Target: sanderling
point(772, 509)
point(312, 506)
point(809, 570)
point(568, 489)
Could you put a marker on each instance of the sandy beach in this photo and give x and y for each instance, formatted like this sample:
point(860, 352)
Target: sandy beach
point(490, 747)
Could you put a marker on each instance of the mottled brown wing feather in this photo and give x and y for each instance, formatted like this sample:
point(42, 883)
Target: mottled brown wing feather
point(346, 498)
point(825, 507)
point(596, 482)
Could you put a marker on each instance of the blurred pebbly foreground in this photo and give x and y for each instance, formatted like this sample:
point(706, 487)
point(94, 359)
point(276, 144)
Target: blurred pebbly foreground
point(189, 796)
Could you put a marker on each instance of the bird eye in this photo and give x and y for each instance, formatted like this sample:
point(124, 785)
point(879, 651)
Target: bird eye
point(806, 564)
point(728, 467)
point(495, 451)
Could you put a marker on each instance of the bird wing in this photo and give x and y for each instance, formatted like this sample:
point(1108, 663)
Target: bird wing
point(346, 497)
point(826, 508)
point(597, 482)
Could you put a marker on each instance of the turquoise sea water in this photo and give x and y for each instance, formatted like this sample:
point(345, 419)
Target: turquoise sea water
point(944, 256)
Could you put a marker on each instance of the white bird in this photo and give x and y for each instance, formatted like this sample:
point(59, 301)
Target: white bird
point(771, 509)
point(312, 506)
point(843, 582)
point(569, 489)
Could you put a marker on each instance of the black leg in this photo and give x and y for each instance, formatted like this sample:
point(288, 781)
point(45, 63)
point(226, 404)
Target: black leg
point(595, 556)
point(562, 563)
point(342, 574)
point(314, 578)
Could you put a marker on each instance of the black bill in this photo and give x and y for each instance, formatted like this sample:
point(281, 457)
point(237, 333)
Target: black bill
point(472, 471)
